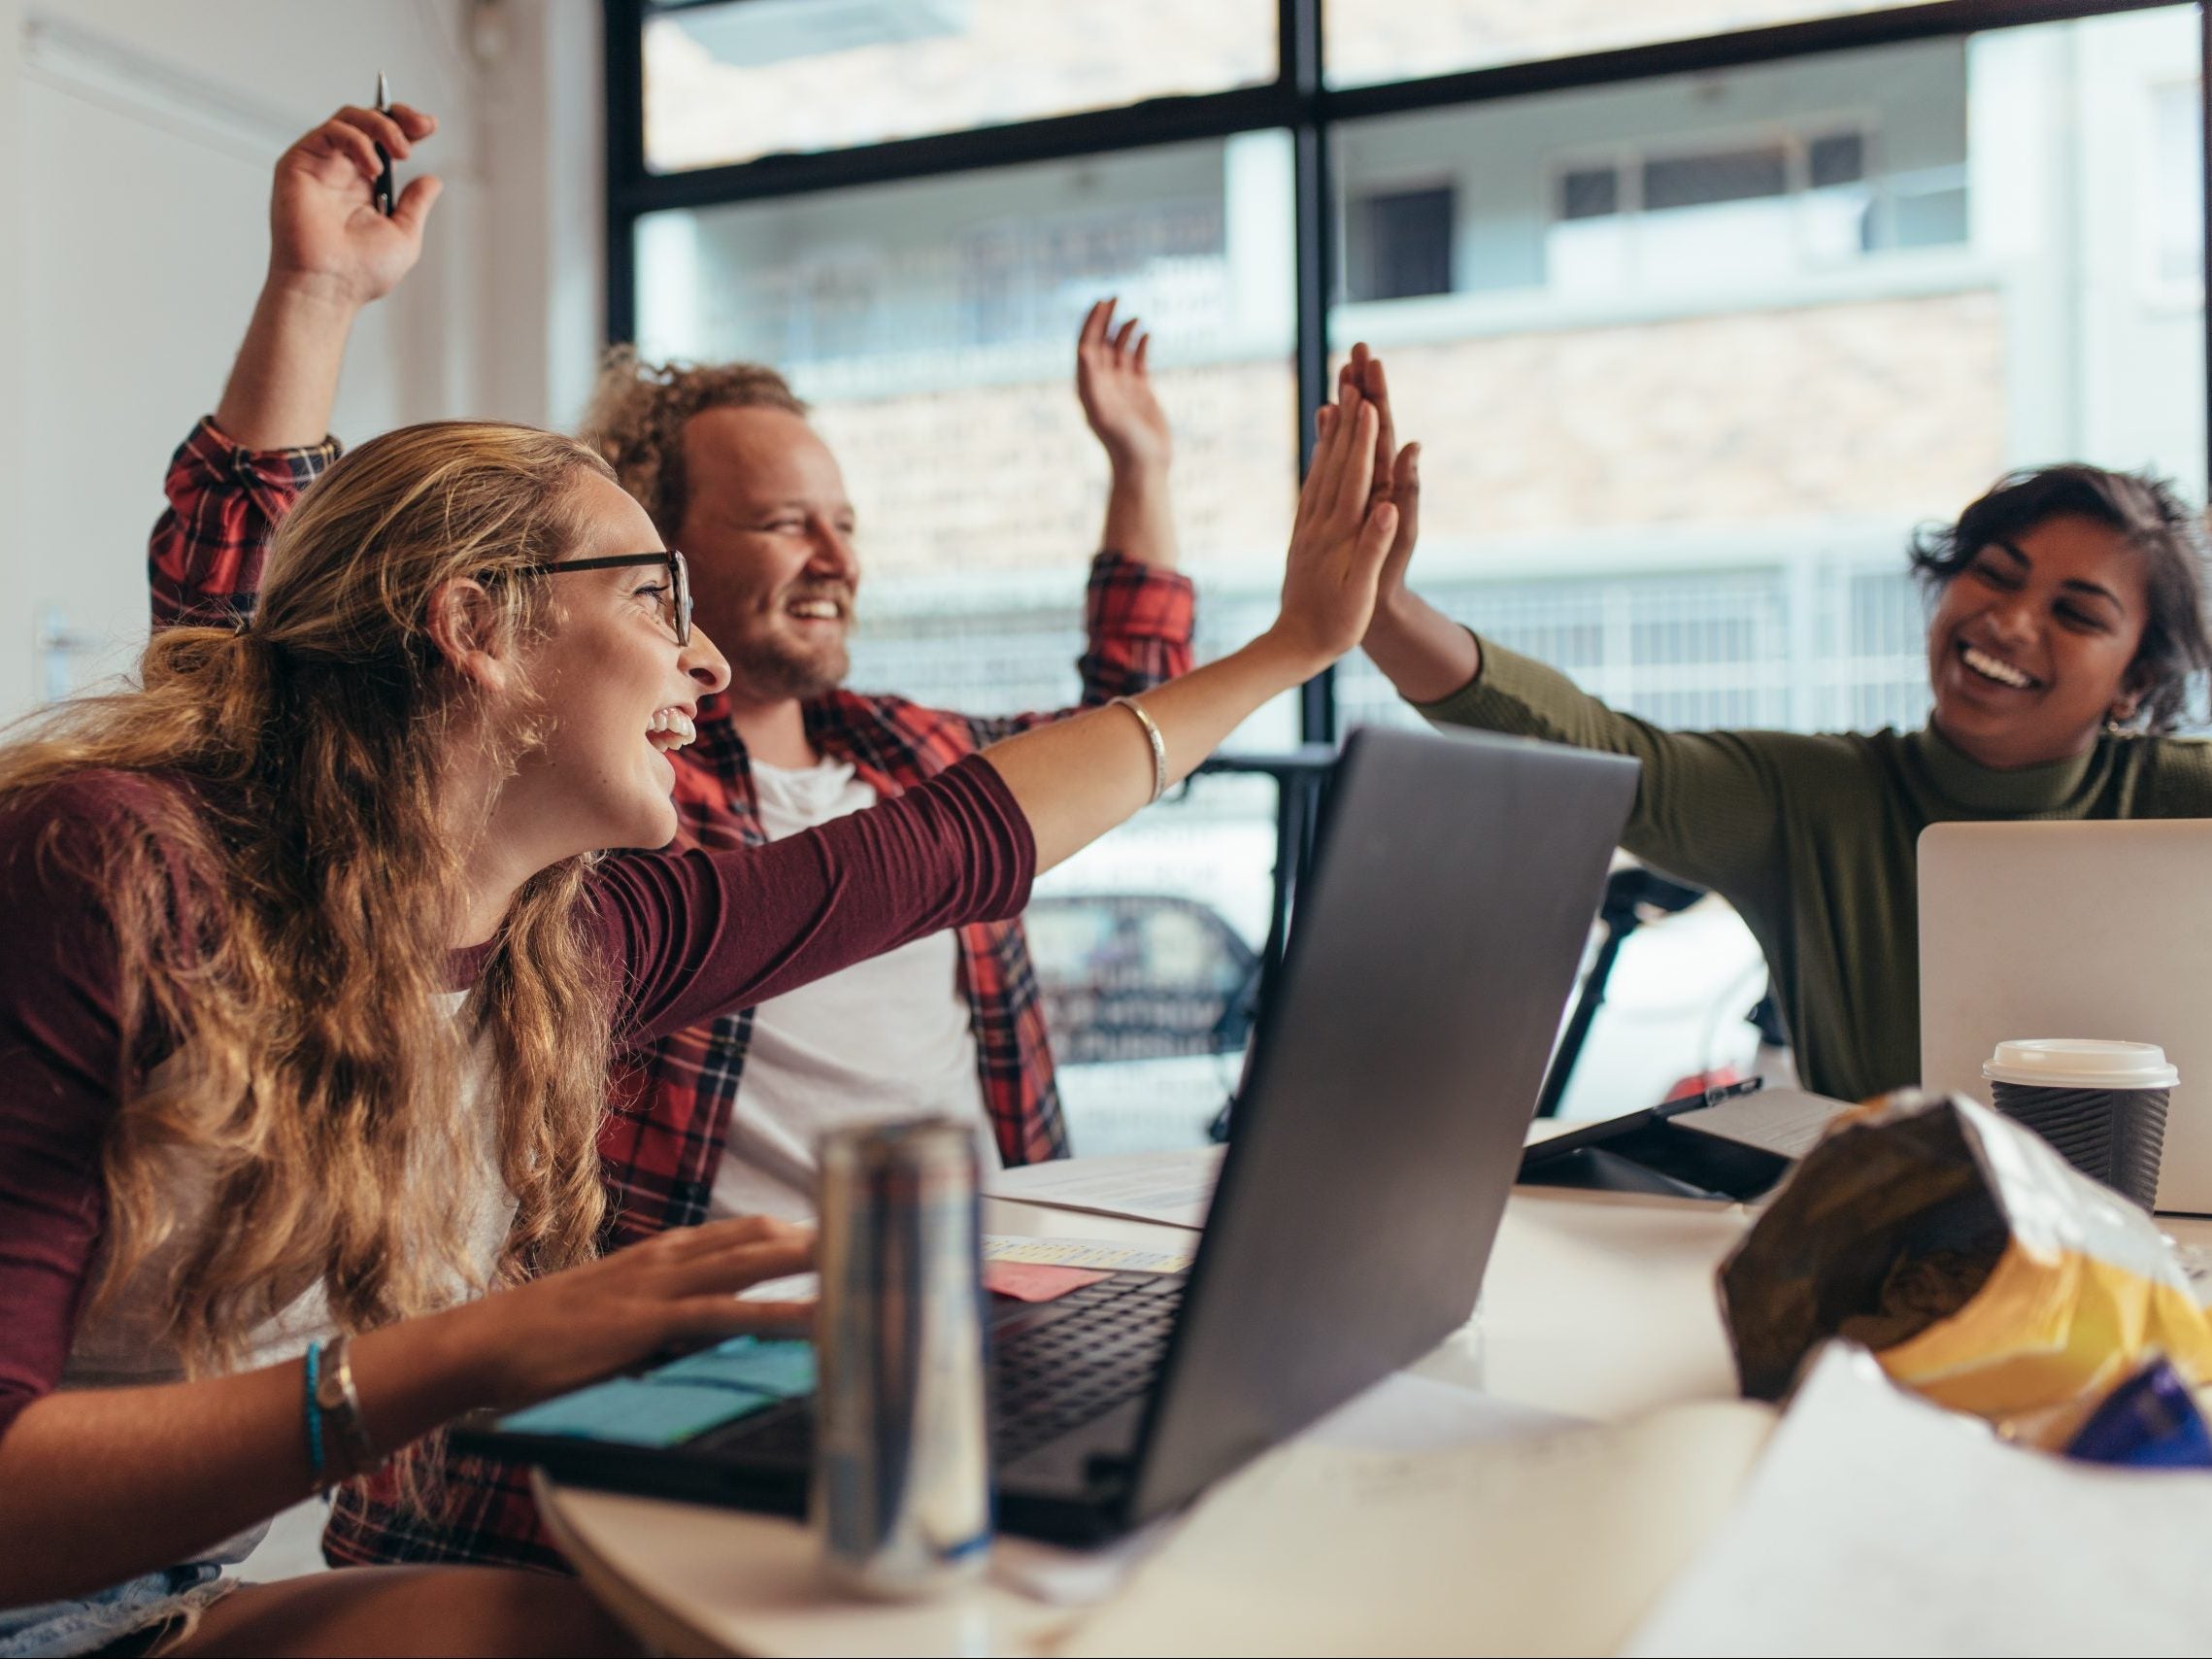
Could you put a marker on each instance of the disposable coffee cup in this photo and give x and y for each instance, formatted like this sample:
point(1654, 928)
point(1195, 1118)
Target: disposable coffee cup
point(2102, 1105)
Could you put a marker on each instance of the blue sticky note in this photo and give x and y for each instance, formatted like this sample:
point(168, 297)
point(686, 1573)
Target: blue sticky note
point(634, 1411)
point(777, 1367)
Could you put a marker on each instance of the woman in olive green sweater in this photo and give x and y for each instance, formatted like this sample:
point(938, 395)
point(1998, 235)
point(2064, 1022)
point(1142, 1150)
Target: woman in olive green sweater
point(2068, 618)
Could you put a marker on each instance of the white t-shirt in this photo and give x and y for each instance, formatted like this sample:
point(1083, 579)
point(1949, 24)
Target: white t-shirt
point(888, 1037)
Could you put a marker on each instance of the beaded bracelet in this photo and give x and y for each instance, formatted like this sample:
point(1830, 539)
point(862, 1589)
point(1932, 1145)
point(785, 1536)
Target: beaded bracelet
point(314, 1411)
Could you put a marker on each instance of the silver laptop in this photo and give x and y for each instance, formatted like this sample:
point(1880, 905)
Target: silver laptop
point(1396, 1060)
point(2098, 929)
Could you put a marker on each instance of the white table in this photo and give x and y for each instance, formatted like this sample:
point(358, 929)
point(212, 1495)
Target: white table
point(1594, 1304)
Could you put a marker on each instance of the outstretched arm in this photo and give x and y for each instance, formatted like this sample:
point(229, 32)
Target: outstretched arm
point(1707, 804)
point(699, 933)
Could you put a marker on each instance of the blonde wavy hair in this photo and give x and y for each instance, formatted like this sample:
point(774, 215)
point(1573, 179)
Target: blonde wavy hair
point(639, 409)
point(283, 918)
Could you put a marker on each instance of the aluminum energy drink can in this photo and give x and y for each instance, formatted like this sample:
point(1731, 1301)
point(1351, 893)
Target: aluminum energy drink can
point(902, 1460)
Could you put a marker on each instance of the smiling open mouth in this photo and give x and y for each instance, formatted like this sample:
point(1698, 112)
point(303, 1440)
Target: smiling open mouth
point(1996, 669)
point(670, 728)
point(816, 610)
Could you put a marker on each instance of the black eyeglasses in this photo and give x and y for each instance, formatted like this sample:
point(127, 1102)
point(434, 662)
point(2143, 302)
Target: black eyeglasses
point(676, 604)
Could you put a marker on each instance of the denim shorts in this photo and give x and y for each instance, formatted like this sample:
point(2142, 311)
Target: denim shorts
point(138, 1606)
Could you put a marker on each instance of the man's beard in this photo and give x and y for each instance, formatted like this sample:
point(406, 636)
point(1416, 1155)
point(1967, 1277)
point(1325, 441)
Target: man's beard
point(768, 668)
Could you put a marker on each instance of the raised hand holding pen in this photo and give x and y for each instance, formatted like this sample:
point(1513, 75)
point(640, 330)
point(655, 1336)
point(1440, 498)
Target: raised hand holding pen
point(323, 222)
point(330, 252)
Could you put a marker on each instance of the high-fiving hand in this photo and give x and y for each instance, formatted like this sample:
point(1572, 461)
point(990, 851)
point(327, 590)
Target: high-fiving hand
point(1115, 388)
point(1397, 471)
point(324, 229)
point(1341, 535)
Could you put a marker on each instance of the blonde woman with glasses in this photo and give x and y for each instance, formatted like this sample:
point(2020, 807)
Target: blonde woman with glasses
point(311, 982)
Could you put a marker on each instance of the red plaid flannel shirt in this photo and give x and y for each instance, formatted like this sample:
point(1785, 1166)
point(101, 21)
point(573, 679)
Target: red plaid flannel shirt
point(670, 1107)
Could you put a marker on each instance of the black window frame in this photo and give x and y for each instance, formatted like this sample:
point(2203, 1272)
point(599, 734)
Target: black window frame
point(1298, 100)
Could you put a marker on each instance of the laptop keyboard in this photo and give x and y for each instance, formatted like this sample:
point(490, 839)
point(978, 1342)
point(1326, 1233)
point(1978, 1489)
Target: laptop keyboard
point(1054, 1367)
point(1053, 1376)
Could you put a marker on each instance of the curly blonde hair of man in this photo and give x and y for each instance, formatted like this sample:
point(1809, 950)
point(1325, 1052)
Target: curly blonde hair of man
point(283, 913)
point(638, 412)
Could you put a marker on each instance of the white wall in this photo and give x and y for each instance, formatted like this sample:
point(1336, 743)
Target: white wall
point(140, 136)
point(15, 552)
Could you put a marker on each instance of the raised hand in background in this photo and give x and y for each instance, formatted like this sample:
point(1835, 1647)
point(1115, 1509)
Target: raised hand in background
point(330, 253)
point(1112, 381)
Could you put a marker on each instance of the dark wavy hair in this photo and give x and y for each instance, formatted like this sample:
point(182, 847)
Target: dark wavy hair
point(2148, 515)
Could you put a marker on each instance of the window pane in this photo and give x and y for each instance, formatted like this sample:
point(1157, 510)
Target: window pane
point(2177, 215)
point(1148, 949)
point(932, 326)
point(740, 79)
point(1400, 245)
point(1677, 448)
point(1367, 41)
point(1692, 180)
point(1589, 192)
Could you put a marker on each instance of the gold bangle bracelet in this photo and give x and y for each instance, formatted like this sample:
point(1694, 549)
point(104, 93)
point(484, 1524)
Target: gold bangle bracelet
point(339, 1403)
point(1159, 745)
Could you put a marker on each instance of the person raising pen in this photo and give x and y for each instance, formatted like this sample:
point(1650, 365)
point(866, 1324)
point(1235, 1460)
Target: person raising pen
point(314, 977)
point(2067, 620)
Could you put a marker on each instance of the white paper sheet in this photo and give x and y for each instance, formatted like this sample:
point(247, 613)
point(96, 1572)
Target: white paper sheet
point(1516, 1542)
point(1409, 1414)
point(1174, 1187)
point(1402, 1413)
point(1878, 1523)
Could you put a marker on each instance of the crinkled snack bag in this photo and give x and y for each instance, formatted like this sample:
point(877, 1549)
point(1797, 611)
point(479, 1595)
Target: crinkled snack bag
point(1983, 1270)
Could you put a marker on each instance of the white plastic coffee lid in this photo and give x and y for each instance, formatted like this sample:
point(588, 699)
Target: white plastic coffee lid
point(2081, 1062)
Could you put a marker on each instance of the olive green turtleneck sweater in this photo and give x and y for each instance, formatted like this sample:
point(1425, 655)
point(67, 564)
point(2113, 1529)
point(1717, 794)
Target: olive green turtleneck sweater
point(1813, 840)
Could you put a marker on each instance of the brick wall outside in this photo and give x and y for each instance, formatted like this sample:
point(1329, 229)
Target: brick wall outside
point(1872, 408)
point(1879, 408)
point(1008, 477)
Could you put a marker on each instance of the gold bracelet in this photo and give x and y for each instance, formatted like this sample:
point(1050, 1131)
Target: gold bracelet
point(339, 1403)
point(1159, 745)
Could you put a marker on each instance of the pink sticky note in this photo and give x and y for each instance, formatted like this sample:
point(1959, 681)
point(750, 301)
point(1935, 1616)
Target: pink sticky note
point(1033, 1281)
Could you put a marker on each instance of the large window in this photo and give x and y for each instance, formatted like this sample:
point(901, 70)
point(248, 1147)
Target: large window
point(1697, 307)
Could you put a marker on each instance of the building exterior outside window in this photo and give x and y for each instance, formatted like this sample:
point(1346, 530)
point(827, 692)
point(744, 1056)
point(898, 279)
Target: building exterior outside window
point(1690, 356)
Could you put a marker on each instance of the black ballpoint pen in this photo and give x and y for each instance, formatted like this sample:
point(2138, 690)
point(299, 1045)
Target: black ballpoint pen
point(384, 179)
